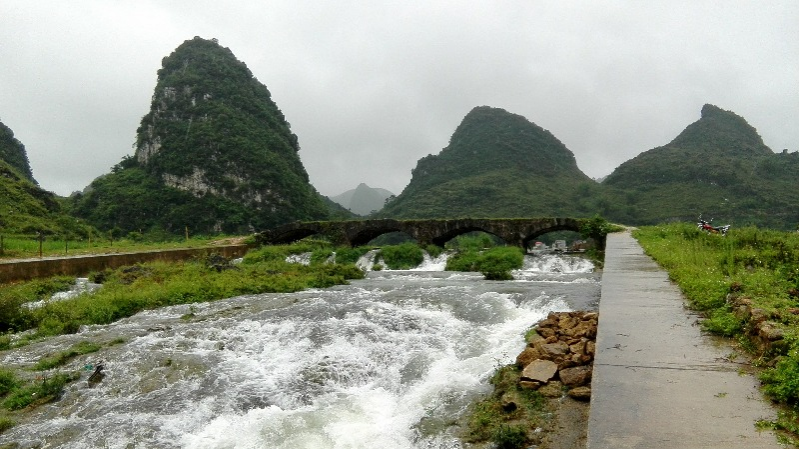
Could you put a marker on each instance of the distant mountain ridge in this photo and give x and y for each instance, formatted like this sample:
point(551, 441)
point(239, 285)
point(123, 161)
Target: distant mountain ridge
point(363, 200)
point(500, 165)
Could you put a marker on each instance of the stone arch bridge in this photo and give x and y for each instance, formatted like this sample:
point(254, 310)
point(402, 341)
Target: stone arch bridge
point(515, 231)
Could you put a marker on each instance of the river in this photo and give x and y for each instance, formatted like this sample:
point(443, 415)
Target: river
point(390, 361)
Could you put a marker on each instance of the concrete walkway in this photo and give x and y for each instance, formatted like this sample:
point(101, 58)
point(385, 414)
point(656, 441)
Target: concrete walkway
point(658, 382)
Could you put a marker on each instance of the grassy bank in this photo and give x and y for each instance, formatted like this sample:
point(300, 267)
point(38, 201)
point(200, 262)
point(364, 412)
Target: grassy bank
point(747, 286)
point(27, 246)
point(129, 290)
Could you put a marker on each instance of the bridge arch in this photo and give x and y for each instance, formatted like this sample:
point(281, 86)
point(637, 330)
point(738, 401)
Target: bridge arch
point(516, 231)
point(442, 239)
point(533, 236)
point(292, 235)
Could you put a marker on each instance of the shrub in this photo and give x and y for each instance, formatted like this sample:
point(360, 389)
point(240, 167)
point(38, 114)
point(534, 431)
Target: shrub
point(8, 381)
point(722, 322)
point(497, 263)
point(509, 437)
point(403, 256)
point(6, 423)
point(782, 381)
point(43, 392)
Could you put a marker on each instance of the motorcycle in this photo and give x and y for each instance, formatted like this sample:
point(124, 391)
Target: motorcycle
point(708, 227)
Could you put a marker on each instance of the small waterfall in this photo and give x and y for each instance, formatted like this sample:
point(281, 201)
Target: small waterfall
point(372, 258)
point(434, 263)
point(367, 261)
point(555, 263)
point(82, 285)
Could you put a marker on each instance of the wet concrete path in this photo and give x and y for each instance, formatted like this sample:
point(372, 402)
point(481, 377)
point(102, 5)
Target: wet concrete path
point(658, 381)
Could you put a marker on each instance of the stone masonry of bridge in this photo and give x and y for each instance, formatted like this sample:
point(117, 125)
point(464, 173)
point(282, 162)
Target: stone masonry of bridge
point(515, 231)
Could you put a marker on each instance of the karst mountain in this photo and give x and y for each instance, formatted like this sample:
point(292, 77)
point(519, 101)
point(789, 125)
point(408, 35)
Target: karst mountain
point(497, 164)
point(214, 154)
point(718, 167)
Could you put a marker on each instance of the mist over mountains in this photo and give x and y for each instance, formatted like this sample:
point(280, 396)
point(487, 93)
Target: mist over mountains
point(216, 154)
point(363, 200)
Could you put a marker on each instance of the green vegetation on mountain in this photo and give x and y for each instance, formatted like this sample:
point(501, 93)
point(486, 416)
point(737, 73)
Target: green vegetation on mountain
point(718, 167)
point(214, 153)
point(26, 208)
point(497, 164)
point(12, 151)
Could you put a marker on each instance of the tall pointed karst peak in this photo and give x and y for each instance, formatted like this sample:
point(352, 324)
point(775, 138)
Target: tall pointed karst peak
point(213, 152)
point(12, 152)
point(724, 131)
point(204, 100)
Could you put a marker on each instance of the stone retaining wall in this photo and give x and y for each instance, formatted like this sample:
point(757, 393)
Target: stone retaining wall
point(20, 270)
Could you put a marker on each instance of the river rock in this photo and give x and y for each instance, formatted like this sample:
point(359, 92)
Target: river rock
point(554, 350)
point(580, 393)
point(562, 347)
point(769, 331)
point(553, 389)
point(576, 376)
point(528, 355)
point(540, 370)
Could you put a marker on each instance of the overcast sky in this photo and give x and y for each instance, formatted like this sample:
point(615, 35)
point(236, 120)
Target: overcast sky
point(370, 87)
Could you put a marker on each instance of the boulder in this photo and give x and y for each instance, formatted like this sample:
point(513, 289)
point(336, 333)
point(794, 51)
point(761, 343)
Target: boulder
point(553, 350)
point(578, 348)
point(528, 355)
point(769, 331)
point(540, 370)
point(576, 376)
point(580, 393)
point(553, 389)
point(529, 384)
point(568, 322)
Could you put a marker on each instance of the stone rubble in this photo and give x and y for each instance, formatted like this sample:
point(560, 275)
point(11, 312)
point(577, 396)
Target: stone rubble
point(560, 354)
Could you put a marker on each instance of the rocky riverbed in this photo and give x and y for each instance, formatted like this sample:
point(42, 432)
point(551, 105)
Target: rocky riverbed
point(557, 365)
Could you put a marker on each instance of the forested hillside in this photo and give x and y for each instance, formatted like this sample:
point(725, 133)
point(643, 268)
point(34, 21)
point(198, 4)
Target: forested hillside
point(497, 164)
point(12, 152)
point(26, 208)
point(718, 167)
point(214, 153)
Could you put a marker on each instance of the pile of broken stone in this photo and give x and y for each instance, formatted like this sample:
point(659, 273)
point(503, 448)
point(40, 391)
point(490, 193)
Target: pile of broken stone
point(560, 354)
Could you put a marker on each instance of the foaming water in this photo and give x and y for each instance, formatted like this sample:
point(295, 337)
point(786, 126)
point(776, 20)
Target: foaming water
point(81, 286)
point(388, 361)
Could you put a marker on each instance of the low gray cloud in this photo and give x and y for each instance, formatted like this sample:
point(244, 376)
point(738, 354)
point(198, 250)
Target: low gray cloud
point(371, 87)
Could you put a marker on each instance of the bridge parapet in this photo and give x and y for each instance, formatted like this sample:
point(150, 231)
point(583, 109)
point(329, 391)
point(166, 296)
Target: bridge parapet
point(514, 231)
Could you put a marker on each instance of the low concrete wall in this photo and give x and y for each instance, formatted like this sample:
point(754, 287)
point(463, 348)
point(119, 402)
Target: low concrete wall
point(19, 270)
